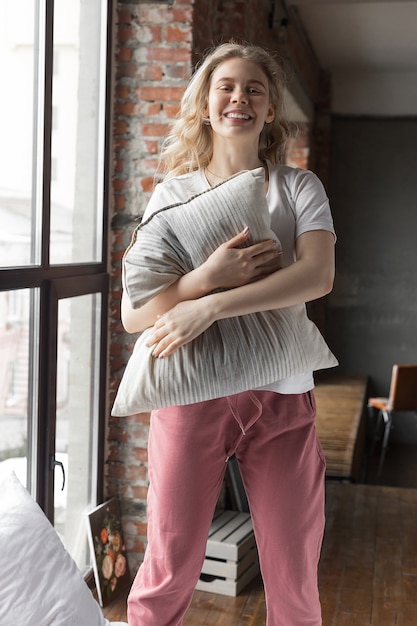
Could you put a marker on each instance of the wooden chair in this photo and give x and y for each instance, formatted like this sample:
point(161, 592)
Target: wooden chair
point(402, 397)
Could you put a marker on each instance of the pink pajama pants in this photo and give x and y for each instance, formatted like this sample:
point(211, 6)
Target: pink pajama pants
point(282, 466)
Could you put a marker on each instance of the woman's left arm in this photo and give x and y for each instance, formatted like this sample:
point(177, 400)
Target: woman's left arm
point(308, 278)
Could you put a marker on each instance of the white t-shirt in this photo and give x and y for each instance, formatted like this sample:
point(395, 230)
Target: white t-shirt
point(297, 204)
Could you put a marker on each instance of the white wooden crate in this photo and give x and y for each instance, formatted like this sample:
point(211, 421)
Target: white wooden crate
point(231, 556)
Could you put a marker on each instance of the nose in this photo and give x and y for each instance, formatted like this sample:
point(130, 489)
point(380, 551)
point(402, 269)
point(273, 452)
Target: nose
point(238, 95)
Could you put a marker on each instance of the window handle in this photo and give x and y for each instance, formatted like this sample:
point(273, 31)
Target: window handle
point(53, 463)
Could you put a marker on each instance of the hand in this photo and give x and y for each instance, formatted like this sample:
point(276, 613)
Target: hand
point(230, 266)
point(183, 323)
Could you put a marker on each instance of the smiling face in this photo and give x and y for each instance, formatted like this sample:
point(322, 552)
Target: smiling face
point(238, 100)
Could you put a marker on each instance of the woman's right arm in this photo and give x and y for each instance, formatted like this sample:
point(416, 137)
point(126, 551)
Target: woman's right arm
point(188, 287)
point(228, 267)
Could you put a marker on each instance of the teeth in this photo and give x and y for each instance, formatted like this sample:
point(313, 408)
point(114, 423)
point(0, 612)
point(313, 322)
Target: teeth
point(238, 116)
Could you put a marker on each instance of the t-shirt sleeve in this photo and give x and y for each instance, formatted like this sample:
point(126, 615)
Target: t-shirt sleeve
point(161, 197)
point(173, 190)
point(311, 203)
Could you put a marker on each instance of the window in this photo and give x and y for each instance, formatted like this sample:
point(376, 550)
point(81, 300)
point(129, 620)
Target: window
point(54, 283)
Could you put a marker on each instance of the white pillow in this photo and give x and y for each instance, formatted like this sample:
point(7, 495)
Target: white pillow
point(233, 354)
point(40, 584)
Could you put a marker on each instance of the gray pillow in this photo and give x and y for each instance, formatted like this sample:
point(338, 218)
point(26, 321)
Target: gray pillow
point(234, 354)
point(181, 236)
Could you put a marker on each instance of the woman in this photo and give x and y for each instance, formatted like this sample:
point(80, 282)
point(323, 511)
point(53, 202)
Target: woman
point(231, 120)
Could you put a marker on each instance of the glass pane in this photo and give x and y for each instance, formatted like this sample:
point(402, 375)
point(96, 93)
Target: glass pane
point(76, 426)
point(17, 38)
point(77, 132)
point(18, 373)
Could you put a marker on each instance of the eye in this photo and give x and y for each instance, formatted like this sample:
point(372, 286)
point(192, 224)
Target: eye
point(255, 91)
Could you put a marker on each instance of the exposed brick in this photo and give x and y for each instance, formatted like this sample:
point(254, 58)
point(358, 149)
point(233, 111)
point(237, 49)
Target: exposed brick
point(136, 472)
point(154, 130)
point(134, 544)
point(177, 34)
point(127, 70)
point(116, 470)
point(120, 184)
point(147, 166)
point(117, 236)
point(141, 454)
point(147, 183)
point(123, 16)
point(118, 165)
point(124, 54)
point(160, 93)
point(120, 127)
point(175, 71)
point(112, 453)
point(117, 364)
point(116, 258)
point(140, 493)
point(171, 110)
point(152, 147)
point(152, 72)
point(119, 202)
point(169, 54)
point(125, 108)
point(150, 34)
point(122, 91)
point(166, 15)
point(139, 420)
point(124, 33)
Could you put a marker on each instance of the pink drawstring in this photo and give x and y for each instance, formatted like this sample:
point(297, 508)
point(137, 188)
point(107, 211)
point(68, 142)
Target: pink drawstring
point(232, 401)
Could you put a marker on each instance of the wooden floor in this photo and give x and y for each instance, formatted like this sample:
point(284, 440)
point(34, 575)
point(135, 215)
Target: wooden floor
point(368, 568)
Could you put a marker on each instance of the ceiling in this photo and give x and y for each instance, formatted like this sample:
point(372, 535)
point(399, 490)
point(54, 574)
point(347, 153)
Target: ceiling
point(370, 49)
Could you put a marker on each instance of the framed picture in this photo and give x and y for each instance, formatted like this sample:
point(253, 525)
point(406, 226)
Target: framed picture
point(108, 548)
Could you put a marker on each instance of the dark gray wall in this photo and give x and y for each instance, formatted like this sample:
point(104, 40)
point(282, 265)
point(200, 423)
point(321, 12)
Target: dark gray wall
point(372, 313)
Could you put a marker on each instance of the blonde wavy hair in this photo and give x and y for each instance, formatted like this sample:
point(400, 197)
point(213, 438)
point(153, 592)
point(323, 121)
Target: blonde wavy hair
point(189, 144)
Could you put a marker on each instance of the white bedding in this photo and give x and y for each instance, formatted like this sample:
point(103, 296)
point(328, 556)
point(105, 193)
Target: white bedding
point(40, 584)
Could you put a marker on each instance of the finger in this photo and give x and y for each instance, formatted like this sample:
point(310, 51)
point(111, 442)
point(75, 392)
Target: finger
point(264, 247)
point(158, 348)
point(165, 348)
point(271, 264)
point(265, 258)
point(239, 238)
point(159, 321)
point(157, 352)
point(156, 337)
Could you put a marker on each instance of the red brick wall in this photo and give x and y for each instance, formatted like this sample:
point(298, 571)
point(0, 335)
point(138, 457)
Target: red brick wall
point(156, 45)
point(297, 153)
point(153, 62)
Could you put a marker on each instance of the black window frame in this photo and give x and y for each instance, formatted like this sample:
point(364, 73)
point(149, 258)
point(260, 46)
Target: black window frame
point(61, 281)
